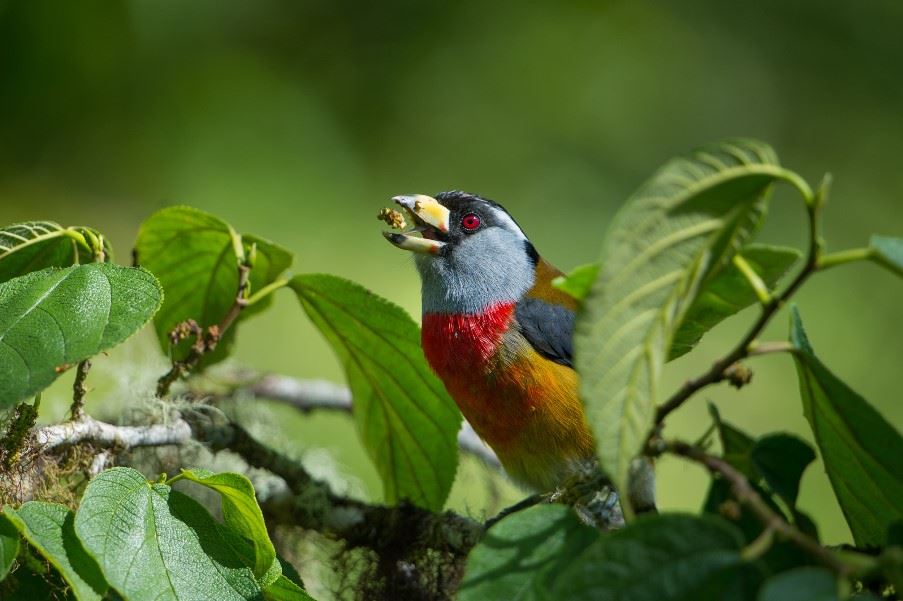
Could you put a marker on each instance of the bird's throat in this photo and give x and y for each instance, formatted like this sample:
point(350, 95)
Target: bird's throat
point(461, 344)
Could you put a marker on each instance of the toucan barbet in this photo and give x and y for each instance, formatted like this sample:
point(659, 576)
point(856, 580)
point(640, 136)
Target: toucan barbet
point(500, 337)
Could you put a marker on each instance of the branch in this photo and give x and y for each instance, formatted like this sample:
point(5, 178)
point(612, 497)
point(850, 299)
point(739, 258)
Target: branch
point(743, 491)
point(310, 395)
point(311, 504)
point(107, 436)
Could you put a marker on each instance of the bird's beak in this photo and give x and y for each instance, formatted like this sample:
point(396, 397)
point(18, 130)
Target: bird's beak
point(431, 221)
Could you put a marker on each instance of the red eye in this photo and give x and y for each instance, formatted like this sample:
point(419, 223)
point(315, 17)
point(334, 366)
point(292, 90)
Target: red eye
point(470, 222)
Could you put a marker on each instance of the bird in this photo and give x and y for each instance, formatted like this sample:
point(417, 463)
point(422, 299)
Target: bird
point(500, 336)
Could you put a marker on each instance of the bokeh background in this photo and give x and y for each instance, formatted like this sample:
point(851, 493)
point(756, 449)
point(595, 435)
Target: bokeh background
point(296, 120)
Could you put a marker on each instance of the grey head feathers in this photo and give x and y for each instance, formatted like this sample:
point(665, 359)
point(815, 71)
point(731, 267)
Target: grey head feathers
point(475, 270)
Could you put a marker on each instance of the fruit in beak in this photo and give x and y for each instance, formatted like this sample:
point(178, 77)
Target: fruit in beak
point(431, 221)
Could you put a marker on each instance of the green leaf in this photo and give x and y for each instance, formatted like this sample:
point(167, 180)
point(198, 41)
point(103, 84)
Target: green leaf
point(196, 255)
point(801, 584)
point(860, 449)
point(153, 542)
point(782, 459)
point(285, 590)
point(52, 319)
point(241, 513)
point(9, 545)
point(578, 282)
point(736, 445)
point(676, 231)
point(48, 527)
point(887, 252)
point(406, 419)
point(36, 245)
point(521, 556)
point(664, 557)
point(545, 553)
point(725, 295)
point(729, 292)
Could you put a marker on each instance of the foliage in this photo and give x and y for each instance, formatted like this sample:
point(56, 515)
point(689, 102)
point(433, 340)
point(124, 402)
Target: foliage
point(54, 318)
point(676, 261)
point(406, 420)
point(672, 236)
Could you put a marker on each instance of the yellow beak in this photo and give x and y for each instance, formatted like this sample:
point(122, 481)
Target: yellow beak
point(429, 216)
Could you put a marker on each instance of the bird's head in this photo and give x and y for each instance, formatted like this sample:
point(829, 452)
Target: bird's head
point(470, 252)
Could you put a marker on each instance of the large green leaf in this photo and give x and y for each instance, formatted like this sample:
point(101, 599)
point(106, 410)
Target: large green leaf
point(155, 543)
point(673, 234)
point(661, 558)
point(521, 556)
point(729, 292)
point(782, 459)
point(48, 527)
point(9, 545)
point(54, 318)
point(801, 584)
point(36, 245)
point(545, 553)
point(726, 294)
point(887, 252)
point(860, 449)
point(405, 417)
point(242, 514)
point(196, 255)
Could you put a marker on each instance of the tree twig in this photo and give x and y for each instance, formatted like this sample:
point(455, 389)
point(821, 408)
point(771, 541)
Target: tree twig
point(526, 503)
point(103, 435)
point(206, 341)
point(77, 409)
point(743, 491)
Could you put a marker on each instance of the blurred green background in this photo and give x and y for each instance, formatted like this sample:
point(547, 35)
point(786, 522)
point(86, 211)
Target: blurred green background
point(296, 120)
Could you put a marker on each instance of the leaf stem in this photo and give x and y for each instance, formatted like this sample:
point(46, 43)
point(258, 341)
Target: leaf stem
point(78, 237)
point(174, 479)
point(800, 184)
point(845, 256)
point(264, 292)
point(759, 546)
point(755, 282)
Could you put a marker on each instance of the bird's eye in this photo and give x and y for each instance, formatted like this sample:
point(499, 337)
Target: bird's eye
point(470, 222)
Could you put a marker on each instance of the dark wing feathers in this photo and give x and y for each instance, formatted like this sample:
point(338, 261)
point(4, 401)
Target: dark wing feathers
point(548, 327)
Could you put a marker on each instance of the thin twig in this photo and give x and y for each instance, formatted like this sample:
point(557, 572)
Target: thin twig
point(743, 491)
point(530, 501)
point(206, 341)
point(768, 348)
point(77, 409)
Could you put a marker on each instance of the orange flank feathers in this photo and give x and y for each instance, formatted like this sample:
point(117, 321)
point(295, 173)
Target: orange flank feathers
point(522, 404)
point(543, 290)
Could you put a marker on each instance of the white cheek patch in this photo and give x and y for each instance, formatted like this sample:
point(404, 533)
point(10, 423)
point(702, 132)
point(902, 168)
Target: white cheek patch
point(508, 223)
